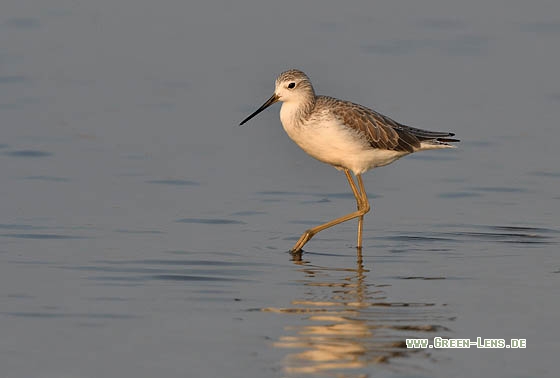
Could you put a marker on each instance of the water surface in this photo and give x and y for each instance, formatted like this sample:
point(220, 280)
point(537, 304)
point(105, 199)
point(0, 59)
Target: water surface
point(143, 233)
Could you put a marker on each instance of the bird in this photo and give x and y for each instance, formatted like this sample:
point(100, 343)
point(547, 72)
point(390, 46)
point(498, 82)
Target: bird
point(350, 137)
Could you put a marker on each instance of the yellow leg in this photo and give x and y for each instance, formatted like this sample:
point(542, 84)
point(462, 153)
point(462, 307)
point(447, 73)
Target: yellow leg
point(353, 186)
point(363, 207)
point(360, 230)
point(359, 203)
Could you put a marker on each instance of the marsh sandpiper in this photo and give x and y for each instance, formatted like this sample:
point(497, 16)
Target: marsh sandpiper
point(348, 136)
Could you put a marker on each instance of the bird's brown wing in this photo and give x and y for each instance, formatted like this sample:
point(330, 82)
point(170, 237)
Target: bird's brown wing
point(381, 131)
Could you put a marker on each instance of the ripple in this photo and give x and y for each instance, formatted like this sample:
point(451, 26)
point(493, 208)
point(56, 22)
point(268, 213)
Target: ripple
point(125, 231)
point(154, 270)
point(29, 153)
point(458, 195)
point(546, 174)
point(180, 277)
point(521, 238)
point(142, 272)
point(279, 193)
point(459, 45)
point(46, 178)
point(499, 189)
point(214, 221)
point(186, 262)
point(422, 278)
point(16, 226)
point(524, 229)
point(174, 182)
point(31, 314)
point(22, 23)
point(418, 238)
point(247, 213)
point(43, 236)
point(497, 234)
point(12, 79)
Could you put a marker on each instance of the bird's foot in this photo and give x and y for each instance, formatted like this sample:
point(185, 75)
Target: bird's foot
point(307, 235)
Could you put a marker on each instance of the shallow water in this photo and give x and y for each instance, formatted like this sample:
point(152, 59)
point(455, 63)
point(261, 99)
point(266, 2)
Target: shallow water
point(143, 233)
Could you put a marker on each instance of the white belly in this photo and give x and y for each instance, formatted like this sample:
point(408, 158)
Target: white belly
point(339, 146)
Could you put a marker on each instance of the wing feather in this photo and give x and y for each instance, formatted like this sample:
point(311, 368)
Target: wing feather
point(381, 131)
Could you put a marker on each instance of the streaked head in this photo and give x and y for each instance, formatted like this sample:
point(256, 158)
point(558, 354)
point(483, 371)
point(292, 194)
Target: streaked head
point(292, 85)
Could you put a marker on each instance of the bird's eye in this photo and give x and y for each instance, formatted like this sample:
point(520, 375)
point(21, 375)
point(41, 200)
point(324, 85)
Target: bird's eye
point(291, 85)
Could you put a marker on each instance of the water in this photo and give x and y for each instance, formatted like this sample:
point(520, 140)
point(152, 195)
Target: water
point(143, 233)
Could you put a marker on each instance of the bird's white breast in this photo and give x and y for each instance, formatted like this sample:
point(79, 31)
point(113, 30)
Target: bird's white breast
point(325, 138)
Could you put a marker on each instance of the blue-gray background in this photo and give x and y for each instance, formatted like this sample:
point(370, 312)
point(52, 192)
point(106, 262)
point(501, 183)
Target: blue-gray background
point(143, 233)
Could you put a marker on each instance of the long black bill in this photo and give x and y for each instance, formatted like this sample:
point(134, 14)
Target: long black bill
point(270, 101)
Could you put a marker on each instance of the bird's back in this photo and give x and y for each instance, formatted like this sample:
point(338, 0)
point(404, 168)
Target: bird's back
point(379, 130)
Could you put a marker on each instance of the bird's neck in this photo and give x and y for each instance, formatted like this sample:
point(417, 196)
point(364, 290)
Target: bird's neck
point(297, 112)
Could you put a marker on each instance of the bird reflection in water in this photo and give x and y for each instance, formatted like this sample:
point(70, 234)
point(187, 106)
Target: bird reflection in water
point(348, 324)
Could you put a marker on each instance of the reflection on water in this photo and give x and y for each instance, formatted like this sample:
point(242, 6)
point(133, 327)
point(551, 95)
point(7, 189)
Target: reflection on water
point(343, 324)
